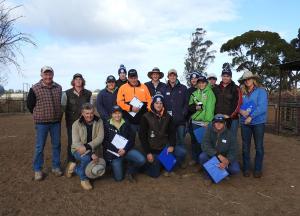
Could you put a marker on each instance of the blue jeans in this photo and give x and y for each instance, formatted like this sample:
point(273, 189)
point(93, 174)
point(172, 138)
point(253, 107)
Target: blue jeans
point(234, 127)
point(153, 169)
point(233, 167)
point(69, 153)
point(41, 137)
point(83, 162)
point(180, 135)
point(135, 160)
point(258, 132)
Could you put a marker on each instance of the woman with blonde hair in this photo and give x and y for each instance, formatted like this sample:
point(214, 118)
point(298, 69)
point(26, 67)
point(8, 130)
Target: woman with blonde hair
point(253, 118)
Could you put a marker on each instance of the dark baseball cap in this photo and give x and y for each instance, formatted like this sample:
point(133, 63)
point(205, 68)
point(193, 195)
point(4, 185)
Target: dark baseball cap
point(202, 79)
point(78, 75)
point(110, 78)
point(132, 73)
point(116, 108)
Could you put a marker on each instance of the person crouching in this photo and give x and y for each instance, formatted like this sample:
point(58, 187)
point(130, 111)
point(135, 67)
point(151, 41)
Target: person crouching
point(157, 131)
point(116, 156)
point(87, 135)
point(219, 141)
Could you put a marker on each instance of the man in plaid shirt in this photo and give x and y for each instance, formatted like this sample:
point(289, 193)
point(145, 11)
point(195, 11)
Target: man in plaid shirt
point(44, 102)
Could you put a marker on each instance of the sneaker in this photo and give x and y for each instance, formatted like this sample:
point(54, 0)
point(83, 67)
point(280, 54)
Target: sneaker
point(86, 185)
point(131, 178)
point(257, 174)
point(246, 173)
point(70, 169)
point(57, 172)
point(38, 176)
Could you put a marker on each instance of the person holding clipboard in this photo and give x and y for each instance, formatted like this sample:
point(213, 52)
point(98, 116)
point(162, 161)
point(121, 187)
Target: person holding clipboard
point(157, 132)
point(218, 141)
point(253, 118)
point(118, 145)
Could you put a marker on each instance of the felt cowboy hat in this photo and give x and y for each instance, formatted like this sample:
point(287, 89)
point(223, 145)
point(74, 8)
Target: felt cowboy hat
point(248, 75)
point(95, 169)
point(156, 70)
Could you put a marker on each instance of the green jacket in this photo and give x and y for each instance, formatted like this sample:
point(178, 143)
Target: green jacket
point(208, 99)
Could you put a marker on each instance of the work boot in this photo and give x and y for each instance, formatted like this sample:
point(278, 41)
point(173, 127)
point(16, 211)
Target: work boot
point(86, 185)
point(257, 174)
point(38, 176)
point(70, 169)
point(57, 172)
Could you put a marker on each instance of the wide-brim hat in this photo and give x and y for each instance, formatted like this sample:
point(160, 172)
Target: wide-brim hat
point(95, 169)
point(155, 70)
point(248, 75)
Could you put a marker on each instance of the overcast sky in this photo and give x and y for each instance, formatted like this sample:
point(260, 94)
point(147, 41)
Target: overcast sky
point(94, 37)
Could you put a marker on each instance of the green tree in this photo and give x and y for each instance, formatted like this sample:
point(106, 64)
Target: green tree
point(260, 52)
point(199, 55)
point(296, 44)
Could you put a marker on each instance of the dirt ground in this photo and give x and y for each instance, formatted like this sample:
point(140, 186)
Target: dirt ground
point(277, 193)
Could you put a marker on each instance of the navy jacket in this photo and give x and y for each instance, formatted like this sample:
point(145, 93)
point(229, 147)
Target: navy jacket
point(109, 132)
point(153, 90)
point(176, 102)
point(105, 102)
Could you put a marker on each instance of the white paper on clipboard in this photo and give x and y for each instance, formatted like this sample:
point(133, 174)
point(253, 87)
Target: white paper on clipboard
point(136, 103)
point(114, 153)
point(119, 141)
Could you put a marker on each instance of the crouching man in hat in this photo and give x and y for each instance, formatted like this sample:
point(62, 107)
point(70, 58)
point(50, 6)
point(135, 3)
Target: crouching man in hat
point(157, 131)
point(219, 141)
point(87, 135)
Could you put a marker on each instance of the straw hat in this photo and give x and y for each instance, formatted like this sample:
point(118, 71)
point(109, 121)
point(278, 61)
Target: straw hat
point(95, 169)
point(248, 75)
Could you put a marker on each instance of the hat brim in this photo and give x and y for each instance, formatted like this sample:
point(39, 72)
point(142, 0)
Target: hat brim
point(161, 74)
point(241, 80)
point(88, 169)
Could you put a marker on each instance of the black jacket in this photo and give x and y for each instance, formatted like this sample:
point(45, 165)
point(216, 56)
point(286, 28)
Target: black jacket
point(154, 90)
point(109, 132)
point(157, 132)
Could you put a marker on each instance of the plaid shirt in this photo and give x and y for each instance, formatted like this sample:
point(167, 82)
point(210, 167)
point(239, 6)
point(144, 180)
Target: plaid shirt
point(48, 103)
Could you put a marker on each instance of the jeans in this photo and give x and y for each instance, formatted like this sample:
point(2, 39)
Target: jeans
point(234, 127)
point(258, 134)
point(41, 137)
point(153, 169)
point(134, 130)
point(195, 146)
point(180, 135)
point(83, 162)
point(135, 160)
point(69, 153)
point(233, 167)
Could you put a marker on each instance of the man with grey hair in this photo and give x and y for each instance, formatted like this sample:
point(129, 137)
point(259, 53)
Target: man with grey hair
point(87, 135)
point(44, 102)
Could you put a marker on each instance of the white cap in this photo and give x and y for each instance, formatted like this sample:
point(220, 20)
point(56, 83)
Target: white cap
point(46, 68)
point(211, 75)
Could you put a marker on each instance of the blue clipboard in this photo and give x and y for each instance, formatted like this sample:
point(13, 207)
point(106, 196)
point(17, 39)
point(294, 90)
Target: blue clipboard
point(217, 174)
point(199, 134)
point(167, 159)
point(249, 106)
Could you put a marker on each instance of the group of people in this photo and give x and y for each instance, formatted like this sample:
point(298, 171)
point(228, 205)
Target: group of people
point(159, 113)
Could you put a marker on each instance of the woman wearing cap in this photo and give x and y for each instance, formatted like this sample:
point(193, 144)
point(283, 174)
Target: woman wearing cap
point(218, 141)
point(202, 105)
point(87, 135)
point(157, 131)
point(72, 100)
point(212, 79)
point(253, 118)
point(106, 98)
point(116, 125)
point(155, 85)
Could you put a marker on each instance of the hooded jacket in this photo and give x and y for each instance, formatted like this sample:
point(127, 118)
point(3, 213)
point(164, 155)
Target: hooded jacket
point(208, 99)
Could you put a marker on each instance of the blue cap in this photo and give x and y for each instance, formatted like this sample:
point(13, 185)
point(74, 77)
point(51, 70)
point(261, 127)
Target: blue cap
point(219, 118)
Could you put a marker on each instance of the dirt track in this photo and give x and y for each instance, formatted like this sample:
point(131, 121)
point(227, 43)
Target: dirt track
point(277, 193)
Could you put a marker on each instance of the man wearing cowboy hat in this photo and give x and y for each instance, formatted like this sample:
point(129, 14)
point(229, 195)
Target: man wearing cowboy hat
point(155, 85)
